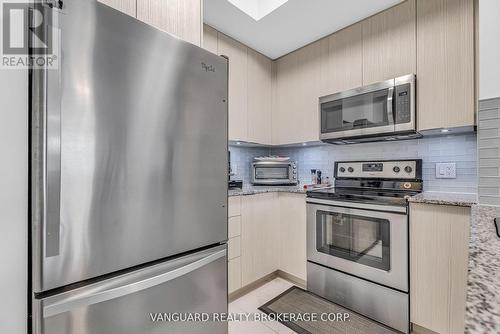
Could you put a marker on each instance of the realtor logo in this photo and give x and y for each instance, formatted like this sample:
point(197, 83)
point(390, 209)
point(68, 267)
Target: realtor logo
point(27, 35)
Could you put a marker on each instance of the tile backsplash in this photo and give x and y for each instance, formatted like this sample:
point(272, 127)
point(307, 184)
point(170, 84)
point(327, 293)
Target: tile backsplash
point(460, 149)
point(489, 152)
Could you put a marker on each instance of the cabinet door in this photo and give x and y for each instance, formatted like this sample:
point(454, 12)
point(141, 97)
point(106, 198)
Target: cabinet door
point(292, 234)
point(179, 17)
point(307, 88)
point(210, 39)
point(260, 247)
point(439, 239)
point(284, 120)
point(237, 54)
point(259, 98)
point(125, 6)
point(389, 47)
point(234, 274)
point(342, 65)
point(295, 119)
point(445, 63)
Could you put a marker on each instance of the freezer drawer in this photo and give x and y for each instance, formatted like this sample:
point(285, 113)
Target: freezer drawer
point(122, 305)
point(129, 148)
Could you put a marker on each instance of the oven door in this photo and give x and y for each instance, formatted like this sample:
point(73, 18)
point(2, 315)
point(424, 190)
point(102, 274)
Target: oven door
point(365, 243)
point(366, 111)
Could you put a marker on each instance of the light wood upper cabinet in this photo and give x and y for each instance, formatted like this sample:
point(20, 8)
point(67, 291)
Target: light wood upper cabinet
point(238, 85)
point(389, 46)
point(439, 241)
point(259, 98)
point(295, 119)
point(260, 247)
point(445, 63)
point(125, 6)
point(210, 39)
point(342, 65)
point(182, 18)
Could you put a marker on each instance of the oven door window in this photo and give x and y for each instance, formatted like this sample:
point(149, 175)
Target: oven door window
point(357, 112)
point(273, 173)
point(355, 238)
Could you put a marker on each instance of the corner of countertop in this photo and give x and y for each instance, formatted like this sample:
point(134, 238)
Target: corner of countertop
point(253, 190)
point(444, 198)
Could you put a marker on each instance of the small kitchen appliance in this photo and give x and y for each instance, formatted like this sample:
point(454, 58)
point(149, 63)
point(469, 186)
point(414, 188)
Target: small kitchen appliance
point(380, 111)
point(274, 171)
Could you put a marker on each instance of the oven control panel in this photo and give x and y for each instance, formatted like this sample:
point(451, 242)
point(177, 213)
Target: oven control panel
point(394, 169)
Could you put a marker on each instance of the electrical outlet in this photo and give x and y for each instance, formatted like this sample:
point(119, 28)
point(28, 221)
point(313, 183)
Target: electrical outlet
point(446, 170)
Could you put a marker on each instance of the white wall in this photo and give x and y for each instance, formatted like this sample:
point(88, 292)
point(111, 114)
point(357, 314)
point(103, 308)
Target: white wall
point(489, 49)
point(13, 200)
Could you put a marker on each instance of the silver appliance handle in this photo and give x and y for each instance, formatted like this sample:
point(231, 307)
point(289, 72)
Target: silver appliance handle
point(52, 182)
point(94, 297)
point(390, 113)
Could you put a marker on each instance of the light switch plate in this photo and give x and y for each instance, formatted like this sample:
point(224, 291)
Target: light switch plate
point(446, 170)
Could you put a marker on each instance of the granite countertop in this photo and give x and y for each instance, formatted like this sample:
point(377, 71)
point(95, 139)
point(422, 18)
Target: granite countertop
point(483, 287)
point(442, 198)
point(252, 190)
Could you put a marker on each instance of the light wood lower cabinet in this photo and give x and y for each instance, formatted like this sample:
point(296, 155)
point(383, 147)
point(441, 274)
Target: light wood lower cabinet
point(292, 212)
point(234, 243)
point(439, 259)
point(234, 274)
point(273, 236)
point(259, 236)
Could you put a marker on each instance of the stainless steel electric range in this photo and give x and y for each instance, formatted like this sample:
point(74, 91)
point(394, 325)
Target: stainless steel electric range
point(357, 238)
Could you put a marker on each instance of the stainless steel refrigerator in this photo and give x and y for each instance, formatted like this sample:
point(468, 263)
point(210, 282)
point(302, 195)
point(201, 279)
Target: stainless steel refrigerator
point(128, 178)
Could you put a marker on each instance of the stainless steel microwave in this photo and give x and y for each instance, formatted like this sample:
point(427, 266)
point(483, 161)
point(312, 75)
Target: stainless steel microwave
point(271, 172)
point(380, 111)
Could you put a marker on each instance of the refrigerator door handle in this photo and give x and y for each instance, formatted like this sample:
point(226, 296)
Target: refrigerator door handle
point(46, 115)
point(91, 297)
point(53, 170)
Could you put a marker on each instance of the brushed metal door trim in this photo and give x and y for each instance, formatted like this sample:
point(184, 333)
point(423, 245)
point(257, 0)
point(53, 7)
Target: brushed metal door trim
point(53, 154)
point(99, 293)
point(396, 277)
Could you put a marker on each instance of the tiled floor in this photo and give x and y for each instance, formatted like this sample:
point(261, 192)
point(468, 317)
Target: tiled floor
point(249, 304)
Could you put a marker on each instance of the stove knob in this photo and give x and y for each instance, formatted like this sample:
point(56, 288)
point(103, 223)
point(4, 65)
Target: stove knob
point(396, 169)
point(350, 169)
point(342, 169)
point(408, 169)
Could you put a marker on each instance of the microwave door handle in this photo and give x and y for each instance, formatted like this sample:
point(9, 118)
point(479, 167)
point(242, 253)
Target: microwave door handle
point(390, 112)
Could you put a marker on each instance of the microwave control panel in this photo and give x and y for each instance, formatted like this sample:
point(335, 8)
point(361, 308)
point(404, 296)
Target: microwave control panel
point(402, 103)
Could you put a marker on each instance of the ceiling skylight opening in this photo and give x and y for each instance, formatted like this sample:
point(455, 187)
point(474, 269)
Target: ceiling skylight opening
point(257, 9)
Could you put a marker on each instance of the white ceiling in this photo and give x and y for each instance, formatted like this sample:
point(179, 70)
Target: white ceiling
point(290, 26)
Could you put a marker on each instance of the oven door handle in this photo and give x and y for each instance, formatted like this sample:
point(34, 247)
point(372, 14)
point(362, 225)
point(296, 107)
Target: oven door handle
point(402, 210)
